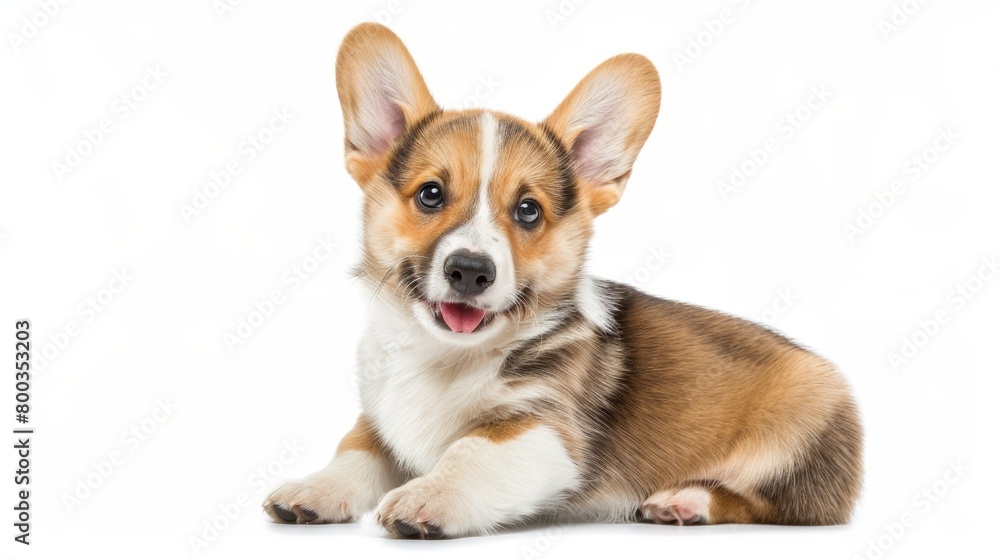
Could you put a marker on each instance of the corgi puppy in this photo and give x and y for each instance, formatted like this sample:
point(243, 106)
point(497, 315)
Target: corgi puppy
point(501, 384)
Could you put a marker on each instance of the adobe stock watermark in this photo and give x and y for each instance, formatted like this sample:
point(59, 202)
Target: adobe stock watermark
point(914, 168)
point(922, 503)
point(392, 9)
point(123, 107)
point(88, 310)
point(957, 299)
point(375, 363)
point(899, 15)
point(223, 8)
point(484, 89)
point(786, 127)
point(229, 511)
point(654, 261)
point(784, 300)
point(32, 25)
point(559, 12)
point(130, 441)
point(248, 151)
point(292, 278)
point(542, 542)
point(696, 44)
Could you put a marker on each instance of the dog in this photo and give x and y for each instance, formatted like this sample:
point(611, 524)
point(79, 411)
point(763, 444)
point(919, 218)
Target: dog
point(500, 384)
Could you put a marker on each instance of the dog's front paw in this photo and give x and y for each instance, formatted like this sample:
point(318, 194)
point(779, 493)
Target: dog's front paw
point(315, 499)
point(420, 509)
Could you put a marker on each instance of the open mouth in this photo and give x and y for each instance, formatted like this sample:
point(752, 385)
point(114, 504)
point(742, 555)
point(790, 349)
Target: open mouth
point(460, 318)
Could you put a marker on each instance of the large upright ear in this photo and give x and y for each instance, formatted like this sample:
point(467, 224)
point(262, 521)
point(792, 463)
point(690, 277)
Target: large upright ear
point(605, 121)
point(381, 93)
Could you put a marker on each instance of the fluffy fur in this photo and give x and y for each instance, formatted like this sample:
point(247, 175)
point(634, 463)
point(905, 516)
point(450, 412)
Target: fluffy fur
point(573, 398)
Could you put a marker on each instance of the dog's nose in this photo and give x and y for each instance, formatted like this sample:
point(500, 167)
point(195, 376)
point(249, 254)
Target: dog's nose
point(469, 273)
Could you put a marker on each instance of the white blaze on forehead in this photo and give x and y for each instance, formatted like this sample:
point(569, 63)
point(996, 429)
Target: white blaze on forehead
point(489, 153)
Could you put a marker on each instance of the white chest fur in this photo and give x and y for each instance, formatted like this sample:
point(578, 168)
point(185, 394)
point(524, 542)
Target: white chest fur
point(422, 400)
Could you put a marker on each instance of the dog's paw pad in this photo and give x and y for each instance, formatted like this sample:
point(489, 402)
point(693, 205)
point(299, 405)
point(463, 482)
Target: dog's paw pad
point(418, 531)
point(687, 506)
point(306, 514)
point(284, 514)
point(405, 529)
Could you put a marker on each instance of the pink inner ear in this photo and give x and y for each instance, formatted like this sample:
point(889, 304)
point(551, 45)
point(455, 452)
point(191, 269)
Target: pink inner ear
point(590, 155)
point(583, 150)
point(396, 121)
point(390, 123)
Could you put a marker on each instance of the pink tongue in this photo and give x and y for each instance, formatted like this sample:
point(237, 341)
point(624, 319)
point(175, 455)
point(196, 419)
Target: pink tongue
point(461, 318)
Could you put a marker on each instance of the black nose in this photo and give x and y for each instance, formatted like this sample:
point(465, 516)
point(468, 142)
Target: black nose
point(469, 273)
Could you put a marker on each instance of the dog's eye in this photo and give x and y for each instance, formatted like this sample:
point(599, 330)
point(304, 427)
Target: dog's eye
point(431, 196)
point(528, 213)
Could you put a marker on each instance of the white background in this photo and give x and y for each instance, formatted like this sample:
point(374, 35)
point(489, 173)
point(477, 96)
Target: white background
point(64, 235)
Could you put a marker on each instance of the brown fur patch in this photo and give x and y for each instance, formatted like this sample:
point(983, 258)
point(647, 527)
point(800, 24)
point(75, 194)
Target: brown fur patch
point(821, 487)
point(706, 396)
point(504, 430)
point(729, 507)
point(362, 437)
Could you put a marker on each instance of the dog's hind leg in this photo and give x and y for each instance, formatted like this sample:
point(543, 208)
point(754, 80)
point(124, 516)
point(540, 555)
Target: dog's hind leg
point(702, 503)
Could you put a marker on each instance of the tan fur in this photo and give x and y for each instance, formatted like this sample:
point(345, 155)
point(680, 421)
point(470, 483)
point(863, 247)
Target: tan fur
point(362, 437)
point(733, 403)
point(504, 430)
point(729, 507)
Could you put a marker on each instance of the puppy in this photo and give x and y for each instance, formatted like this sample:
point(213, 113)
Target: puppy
point(501, 384)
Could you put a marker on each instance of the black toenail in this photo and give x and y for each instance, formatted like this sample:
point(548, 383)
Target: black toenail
point(433, 532)
point(284, 513)
point(405, 529)
point(307, 514)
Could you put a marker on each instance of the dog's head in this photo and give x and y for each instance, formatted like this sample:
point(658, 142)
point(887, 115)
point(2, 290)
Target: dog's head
point(475, 221)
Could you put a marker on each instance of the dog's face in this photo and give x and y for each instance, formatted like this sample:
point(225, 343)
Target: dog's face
point(476, 221)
